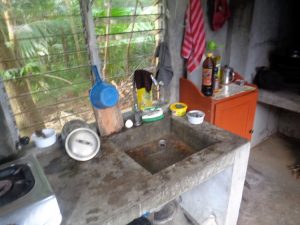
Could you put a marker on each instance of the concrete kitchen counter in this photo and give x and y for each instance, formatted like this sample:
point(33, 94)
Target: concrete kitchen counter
point(112, 189)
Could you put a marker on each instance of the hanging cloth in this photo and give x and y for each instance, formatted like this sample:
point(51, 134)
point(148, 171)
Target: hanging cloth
point(221, 13)
point(164, 67)
point(193, 46)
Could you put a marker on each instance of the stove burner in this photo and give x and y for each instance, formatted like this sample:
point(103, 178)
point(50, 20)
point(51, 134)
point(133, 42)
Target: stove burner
point(5, 186)
point(15, 182)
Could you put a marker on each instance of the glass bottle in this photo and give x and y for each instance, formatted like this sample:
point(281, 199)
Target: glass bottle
point(137, 115)
point(207, 75)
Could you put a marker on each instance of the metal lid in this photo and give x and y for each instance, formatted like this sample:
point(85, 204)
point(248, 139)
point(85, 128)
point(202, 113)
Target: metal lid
point(82, 144)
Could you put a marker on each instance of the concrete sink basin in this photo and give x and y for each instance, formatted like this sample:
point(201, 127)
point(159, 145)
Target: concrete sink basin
point(158, 145)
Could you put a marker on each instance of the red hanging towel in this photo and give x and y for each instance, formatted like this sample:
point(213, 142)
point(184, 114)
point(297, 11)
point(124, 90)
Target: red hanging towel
point(193, 46)
point(220, 14)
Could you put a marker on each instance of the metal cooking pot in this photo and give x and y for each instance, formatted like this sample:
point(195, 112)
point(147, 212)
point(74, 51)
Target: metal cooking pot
point(102, 94)
point(81, 142)
point(227, 75)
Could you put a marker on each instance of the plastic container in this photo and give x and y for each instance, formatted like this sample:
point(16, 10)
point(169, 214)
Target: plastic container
point(46, 141)
point(195, 116)
point(178, 109)
point(152, 114)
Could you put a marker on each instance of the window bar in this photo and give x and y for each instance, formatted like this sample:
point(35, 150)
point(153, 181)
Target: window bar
point(48, 72)
point(52, 105)
point(43, 17)
point(46, 90)
point(55, 119)
point(45, 36)
point(125, 16)
point(41, 56)
point(129, 32)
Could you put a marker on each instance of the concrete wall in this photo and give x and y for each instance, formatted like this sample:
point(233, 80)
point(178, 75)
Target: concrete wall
point(175, 27)
point(270, 28)
point(265, 123)
point(7, 145)
point(209, 198)
point(238, 39)
point(289, 123)
point(8, 132)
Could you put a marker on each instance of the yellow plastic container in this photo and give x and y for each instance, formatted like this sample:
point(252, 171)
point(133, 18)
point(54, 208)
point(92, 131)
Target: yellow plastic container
point(178, 109)
point(144, 98)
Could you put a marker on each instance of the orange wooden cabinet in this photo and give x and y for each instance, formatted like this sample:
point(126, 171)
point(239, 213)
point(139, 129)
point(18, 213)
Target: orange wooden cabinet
point(234, 113)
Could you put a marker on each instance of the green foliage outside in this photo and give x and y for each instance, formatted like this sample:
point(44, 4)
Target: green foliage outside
point(49, 50)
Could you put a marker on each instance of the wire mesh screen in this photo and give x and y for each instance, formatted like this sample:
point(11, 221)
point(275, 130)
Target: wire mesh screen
point(44, 61)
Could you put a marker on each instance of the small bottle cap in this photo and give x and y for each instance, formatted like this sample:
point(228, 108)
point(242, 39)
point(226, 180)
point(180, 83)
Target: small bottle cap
point(128, 123)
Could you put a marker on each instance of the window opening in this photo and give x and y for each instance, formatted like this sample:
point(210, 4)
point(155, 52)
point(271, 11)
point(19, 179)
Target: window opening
point(44, 63)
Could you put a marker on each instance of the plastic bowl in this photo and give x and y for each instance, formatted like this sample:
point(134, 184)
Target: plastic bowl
point(44, 142)
point(195, 116)
point(178, 109)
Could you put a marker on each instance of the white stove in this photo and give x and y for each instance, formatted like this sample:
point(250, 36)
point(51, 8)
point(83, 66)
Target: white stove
point(26, 197)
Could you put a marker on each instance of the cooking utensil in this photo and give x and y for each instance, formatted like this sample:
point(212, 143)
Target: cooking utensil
point(102, 94)
point(227, 75)
point(81, 142)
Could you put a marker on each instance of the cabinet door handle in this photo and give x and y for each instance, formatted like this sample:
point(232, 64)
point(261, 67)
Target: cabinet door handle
point(251, 131)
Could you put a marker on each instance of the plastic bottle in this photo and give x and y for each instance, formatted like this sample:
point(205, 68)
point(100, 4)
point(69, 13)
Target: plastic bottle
point(213, 47)
point(207, 75)
point(217, 74)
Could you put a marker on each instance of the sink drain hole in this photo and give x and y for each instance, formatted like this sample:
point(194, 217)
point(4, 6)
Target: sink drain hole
point(162, 144)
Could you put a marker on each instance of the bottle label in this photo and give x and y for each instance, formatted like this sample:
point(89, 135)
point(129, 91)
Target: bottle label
point(216, 85)
point(206, 77)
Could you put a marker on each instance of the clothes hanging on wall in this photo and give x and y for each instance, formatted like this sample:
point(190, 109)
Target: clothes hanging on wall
point(220, 13)
point(164, 68)
point(193, 46)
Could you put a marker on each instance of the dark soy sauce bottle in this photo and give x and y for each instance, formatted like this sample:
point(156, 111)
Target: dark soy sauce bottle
point(207, 75)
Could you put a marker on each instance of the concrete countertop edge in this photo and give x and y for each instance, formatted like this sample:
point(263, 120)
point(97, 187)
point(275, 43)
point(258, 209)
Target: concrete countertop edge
point(171, 189)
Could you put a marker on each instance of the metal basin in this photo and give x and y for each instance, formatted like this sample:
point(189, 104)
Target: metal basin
point(158, 145)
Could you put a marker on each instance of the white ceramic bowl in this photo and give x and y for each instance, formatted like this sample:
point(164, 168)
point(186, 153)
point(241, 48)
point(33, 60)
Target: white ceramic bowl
point(42, 142)
point(195, 116)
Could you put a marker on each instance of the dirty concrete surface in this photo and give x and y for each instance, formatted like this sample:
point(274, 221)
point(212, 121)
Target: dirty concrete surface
point(271, 193)
point(112, 189)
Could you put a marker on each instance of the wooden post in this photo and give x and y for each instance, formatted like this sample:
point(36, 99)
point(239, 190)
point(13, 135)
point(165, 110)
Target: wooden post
point(109, 120)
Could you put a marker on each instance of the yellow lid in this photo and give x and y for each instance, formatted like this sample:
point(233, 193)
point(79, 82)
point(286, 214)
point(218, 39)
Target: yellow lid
point(209, 54)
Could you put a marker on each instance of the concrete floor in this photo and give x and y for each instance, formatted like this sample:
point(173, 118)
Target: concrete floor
point(271, 194)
